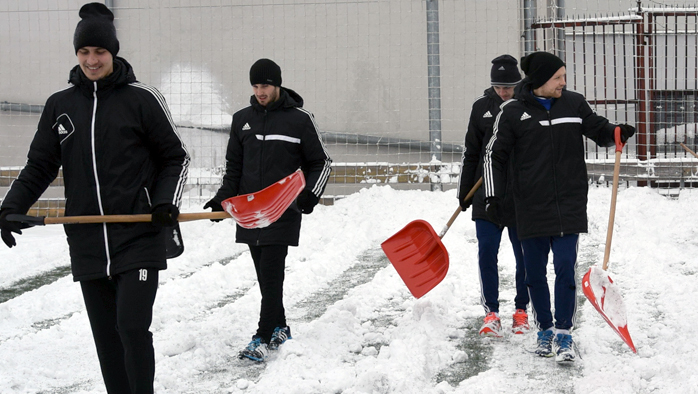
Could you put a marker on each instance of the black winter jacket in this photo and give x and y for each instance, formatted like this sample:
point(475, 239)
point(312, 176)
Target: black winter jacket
point(482, 116)
point(130, 160)
point(266, 144)
point(547, 150)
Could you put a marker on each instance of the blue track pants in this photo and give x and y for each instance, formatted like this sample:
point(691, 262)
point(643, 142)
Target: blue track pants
point(564, 250)
point(489, 236)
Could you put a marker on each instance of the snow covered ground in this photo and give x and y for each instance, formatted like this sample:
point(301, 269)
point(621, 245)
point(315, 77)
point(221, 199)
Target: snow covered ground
point(356, 328)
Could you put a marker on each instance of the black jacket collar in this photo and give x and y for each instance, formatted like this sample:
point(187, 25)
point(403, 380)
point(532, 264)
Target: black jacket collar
point(122, 75)
point(288, 98)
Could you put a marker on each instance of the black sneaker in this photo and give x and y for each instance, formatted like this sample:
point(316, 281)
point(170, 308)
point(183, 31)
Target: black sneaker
point(279, 336)
point(256, 350)
point(545, 343)
point(563, 346)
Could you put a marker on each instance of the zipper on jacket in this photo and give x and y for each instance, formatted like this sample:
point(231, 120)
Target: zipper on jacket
point(261, 161)
point(94, 169)
point(552, 145)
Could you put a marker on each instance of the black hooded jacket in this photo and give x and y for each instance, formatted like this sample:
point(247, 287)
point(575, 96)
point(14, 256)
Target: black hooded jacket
point(267, 144)
point(547, 151)
point(121, 154)
point(482, 116)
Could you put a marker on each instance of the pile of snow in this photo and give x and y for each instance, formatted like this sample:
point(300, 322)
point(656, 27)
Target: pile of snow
point(356, 328)
point(194, 97)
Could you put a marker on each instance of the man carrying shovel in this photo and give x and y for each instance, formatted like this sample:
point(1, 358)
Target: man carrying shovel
point(541, 132)
point(504, 77)
point(120, 154)
point(269, 140)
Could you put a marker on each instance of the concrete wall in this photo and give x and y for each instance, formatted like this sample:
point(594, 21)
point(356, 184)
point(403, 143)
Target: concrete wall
point(36, 38)
point(360, 65)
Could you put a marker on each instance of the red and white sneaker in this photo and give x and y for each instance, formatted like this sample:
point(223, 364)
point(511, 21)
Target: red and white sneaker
point(520, 325)
point(492, 326)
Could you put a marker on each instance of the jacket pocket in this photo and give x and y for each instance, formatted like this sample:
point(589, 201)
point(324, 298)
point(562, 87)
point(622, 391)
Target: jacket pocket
point(63, 127)
point(144, 204)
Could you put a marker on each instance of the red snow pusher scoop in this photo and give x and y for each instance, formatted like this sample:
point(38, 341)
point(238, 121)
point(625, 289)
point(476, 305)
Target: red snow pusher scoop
point(253, 210)
point(262, 208)
point(418, 254)
point(258, 209)
point(597, 285)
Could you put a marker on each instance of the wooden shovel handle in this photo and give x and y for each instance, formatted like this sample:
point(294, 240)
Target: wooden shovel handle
point(183, 217)
point(614, 195)
point(470, 195)
point(688, 149)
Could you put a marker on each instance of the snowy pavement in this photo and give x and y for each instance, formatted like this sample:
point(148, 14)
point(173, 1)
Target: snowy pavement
point(356, 328)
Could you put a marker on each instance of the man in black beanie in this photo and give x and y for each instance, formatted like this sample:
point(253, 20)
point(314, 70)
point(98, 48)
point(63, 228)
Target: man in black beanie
point(539, 67)
point(269, 140)
point(504, 75)
point(265, 72)
point(96, 29)
point(120, 154)
point(537, 141)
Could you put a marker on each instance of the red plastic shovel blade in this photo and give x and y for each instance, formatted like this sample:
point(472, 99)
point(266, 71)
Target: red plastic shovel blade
point(599, 288)
point(262, 208)
point(418, 255)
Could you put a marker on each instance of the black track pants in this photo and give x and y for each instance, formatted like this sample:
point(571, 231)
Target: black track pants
point(270, 262)
point(120, 310)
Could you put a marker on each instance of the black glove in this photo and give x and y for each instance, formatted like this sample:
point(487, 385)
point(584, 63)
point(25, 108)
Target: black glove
point(494, 209)
point(7, 227)
point(306, 201)
point(164, 215)
point(626, 131)
point(215, 207)
point(465, 204)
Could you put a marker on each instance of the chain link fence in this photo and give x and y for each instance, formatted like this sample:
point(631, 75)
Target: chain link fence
point(390, 82)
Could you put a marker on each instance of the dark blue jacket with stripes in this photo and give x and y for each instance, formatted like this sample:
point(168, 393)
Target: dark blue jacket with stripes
point(550, 182)
point(482, 117)
point(121, 154)
point(266, 144)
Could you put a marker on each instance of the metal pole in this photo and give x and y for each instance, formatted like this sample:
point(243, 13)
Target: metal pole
point(109, 4)
point(561, 31)
point(640, 65)
point(529, 16)
point(434, 79)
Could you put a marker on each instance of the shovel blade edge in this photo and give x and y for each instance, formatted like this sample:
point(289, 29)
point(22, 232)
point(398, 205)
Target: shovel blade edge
point(603, 294)
point(418, 255)
point(261, 209)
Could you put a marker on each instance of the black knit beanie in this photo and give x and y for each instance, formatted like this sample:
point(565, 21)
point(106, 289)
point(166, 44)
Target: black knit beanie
point(505, 71)
point(265, 72)
point(96, 29)
point(540, 67)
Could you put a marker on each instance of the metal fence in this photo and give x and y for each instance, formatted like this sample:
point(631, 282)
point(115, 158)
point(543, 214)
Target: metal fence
point(390, 82)
point(639, 67)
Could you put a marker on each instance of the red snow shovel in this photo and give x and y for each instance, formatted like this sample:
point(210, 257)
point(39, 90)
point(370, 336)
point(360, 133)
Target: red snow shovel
point(418, 254)
point(267, 204)
point(597, 285)
point(252, 210)
point(262, 208)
